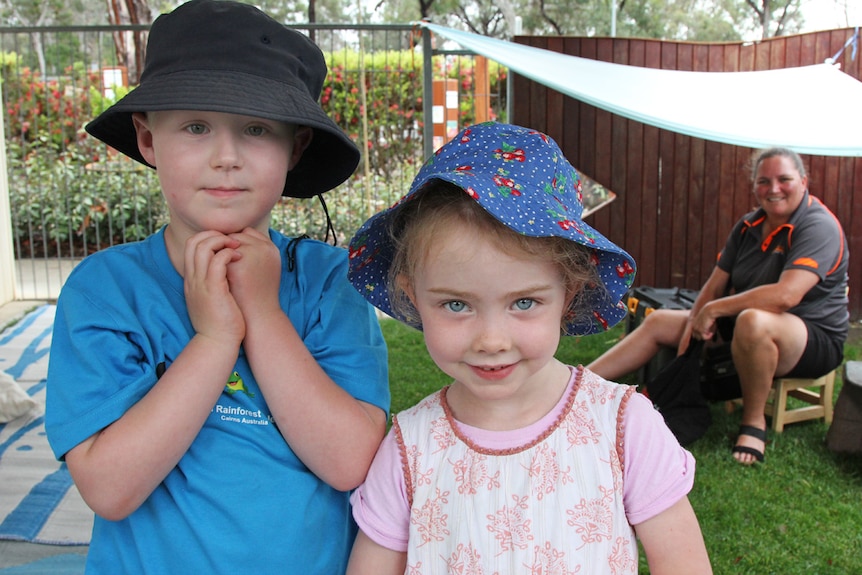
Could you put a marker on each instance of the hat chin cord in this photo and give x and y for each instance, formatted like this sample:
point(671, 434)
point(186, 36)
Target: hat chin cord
point(329, 226)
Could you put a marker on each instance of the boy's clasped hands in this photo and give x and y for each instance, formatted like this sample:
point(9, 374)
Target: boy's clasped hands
point(230, 280)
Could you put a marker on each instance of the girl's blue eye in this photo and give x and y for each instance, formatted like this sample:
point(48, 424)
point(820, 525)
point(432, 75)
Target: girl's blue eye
point(456, 306)
point(524, 304)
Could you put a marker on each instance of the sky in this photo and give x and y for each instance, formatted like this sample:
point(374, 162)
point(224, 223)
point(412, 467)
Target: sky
point(830, 14)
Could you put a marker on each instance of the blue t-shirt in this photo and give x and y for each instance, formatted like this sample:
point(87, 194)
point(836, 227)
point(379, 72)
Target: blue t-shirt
point(239, 501)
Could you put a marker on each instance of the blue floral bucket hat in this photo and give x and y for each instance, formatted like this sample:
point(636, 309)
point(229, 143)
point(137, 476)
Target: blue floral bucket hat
point(522, 179)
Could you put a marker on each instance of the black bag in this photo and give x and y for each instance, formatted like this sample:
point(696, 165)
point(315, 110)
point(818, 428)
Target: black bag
point(675, 391)
point(718, 378)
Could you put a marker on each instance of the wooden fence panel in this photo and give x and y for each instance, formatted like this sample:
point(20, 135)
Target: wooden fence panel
point(678, 196)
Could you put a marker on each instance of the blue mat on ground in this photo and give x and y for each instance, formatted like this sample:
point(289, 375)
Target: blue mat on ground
point(66, 564)
point(38, 501)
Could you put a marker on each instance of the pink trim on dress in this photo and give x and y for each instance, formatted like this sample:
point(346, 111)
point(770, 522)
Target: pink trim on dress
point(405, 464)
point(453, 424)
point(621, 427)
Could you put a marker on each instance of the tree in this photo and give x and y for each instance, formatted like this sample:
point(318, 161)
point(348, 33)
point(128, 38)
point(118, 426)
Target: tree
point(783, 14)
point(308, 11)
point(703, 20)
point(130, 46)
point(37, 13)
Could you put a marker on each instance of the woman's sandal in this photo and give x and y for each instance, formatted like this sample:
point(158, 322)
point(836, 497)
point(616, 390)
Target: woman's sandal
point(753, 432)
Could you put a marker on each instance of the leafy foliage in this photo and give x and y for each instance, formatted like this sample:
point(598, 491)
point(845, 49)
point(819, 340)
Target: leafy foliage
point(711, 20)
point(47, 112)
point(68, 196)
point(71, 195)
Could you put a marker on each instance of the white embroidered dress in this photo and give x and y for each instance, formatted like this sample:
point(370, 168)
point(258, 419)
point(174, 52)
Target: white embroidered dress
point(552, 507)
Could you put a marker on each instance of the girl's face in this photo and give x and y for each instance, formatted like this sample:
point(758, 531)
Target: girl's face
point(779, 187)
point(219, 171)
point(491, 317)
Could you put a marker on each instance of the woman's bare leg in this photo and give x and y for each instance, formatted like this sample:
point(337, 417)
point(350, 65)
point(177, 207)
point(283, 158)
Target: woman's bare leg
point(764, 344)
point(663, 327)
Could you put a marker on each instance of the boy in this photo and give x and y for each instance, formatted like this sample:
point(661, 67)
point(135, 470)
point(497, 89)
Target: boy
point(217, 389)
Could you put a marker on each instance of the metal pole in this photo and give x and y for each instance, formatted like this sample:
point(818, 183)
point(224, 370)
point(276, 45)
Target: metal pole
point(510, 85)
point(427, 94)
point(8, 279)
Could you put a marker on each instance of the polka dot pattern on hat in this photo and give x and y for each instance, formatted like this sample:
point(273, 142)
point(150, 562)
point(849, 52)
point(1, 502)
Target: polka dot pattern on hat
point(521, 178)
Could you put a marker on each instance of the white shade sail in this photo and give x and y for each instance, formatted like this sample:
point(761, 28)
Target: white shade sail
point(811, 109)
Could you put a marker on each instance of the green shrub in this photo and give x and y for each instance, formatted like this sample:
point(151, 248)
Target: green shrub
point(46, 113)
point(70, 195)
point(63, 205)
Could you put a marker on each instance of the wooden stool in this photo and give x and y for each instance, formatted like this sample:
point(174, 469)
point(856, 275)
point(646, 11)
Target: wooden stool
point(820, 402)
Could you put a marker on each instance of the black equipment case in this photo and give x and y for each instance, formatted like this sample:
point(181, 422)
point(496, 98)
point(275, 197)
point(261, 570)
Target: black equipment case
point(641, 302)
point(718, 378)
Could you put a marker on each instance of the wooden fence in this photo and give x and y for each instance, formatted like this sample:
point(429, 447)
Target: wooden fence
point(678, 196)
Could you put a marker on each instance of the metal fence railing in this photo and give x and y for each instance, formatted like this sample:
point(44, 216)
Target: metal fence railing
point(70, 195)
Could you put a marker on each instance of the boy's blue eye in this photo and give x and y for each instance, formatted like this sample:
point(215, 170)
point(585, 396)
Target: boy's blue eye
point(456, 306)
point(196, 128)
point(524, 303)
point(256, 130)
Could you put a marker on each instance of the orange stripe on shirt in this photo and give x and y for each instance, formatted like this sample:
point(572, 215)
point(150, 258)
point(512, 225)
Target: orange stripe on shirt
point(841, 233)
point(807, 262)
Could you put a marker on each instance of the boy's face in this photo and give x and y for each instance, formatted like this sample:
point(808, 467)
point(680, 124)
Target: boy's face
point(219, 171)
point(490, 316)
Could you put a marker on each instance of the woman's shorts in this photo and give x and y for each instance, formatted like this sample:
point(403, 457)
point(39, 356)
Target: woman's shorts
point(822, 354)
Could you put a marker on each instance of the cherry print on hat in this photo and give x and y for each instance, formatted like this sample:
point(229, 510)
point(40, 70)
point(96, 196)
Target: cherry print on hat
point(520, 177)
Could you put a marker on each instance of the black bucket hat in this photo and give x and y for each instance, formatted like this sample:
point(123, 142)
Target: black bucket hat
point(224, 56)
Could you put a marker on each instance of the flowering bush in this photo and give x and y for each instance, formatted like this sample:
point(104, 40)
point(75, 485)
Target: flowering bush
point(378, 102)
point(46, 112)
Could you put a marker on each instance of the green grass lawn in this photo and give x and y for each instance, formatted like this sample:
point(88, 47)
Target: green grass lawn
point(798, 513)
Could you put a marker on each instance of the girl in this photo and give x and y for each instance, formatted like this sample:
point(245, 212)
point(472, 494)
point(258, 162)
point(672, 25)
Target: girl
point(522, 464)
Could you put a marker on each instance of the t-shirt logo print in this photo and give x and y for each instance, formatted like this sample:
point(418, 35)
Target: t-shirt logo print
point(235, 384)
